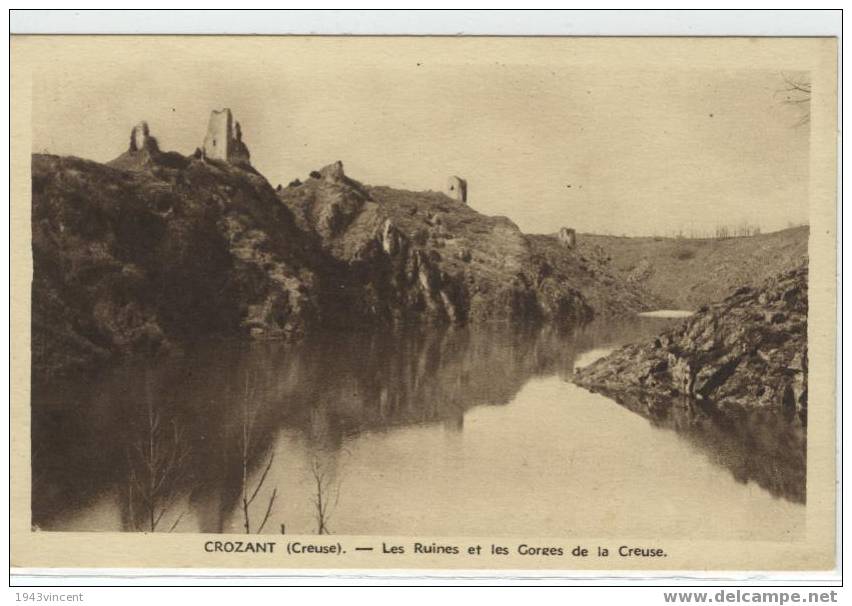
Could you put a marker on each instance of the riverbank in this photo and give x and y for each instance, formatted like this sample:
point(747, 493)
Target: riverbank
point(748, 351)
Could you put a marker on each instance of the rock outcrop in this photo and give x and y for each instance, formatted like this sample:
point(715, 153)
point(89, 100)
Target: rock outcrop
point(748, 351)
point(142, 259)
point(607, 291)
point(156, 249)
point(401, 256)
point(333, 173)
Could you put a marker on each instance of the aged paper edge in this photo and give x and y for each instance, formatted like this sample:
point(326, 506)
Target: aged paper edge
point(126, 550)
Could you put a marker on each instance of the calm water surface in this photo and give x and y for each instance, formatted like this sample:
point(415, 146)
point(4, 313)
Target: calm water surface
point(456, 432)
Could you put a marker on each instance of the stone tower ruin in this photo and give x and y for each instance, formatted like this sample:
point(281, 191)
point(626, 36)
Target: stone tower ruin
point(224, 140)
point(457, 189)
point(141, 139)
point(138, 136)
point(567, 237)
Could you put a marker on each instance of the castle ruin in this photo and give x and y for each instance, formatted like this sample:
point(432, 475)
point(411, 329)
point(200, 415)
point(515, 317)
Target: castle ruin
point(567, 237)
point(457, 189)
point(142, 151)
point(141, 139)
point(224, 140)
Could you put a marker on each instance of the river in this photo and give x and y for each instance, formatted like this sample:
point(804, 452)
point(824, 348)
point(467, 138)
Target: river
point(456, 432)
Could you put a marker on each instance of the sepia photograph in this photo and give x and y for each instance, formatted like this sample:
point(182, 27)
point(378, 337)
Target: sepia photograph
point(541, 291)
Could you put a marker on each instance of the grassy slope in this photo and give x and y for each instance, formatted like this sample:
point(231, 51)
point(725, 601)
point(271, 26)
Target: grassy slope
point(687, 273)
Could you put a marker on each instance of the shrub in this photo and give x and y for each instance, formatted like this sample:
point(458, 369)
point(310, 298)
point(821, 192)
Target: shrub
point(684, 254)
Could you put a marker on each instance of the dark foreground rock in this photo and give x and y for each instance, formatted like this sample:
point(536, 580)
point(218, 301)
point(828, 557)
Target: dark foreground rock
point(747, 352)
point(139, 261)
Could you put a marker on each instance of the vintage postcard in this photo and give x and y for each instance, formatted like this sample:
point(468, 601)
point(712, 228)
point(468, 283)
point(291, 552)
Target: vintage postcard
point(424, 303)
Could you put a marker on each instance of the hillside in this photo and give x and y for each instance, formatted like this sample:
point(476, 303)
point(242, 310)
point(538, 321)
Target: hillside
point(137, 261)
point(155, 250)
point(607, 289)
point(687, 273)
point(414, 255)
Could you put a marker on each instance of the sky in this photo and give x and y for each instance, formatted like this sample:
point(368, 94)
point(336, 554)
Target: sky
point(628, 147)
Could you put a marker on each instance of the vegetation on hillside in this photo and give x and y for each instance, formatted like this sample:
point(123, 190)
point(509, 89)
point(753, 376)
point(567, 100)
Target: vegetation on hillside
point(687, 273)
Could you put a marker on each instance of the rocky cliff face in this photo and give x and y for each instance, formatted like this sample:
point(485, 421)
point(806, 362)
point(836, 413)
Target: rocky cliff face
point(748, 351)
point(405, 255)
point(174, 249)
point(156, 249)
point(607, 291)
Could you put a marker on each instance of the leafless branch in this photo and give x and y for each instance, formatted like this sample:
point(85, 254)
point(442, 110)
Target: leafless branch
point(262, 478)
point(249, 416)
point(268, 510)
point(177, 521)
point(156, 467)
point(797, 93)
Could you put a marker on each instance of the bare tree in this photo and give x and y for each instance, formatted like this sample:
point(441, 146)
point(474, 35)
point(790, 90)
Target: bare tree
point(797, 93)
point(326, 492)
point(157, 463)
point(249, 416)
point(325, 477)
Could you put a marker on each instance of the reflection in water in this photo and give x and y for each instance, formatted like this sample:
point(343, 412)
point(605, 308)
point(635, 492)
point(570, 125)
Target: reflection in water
point(157, 457)
point(411, 432)
point(249, 409)
point(757, 445)
point(323, 456)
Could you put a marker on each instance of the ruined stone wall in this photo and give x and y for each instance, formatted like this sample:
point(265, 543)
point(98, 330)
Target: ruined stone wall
point(139, 136)
point(224, 140)
point(217, 143)
point(457, 189)
point(568, 237)
point(238, 153)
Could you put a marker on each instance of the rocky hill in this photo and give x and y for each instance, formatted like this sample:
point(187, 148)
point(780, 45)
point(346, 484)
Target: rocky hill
point(155, 249)
point(747, 352)
point(412, 255)
point(608, 290)
point(134, 261)
point(685, 273)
